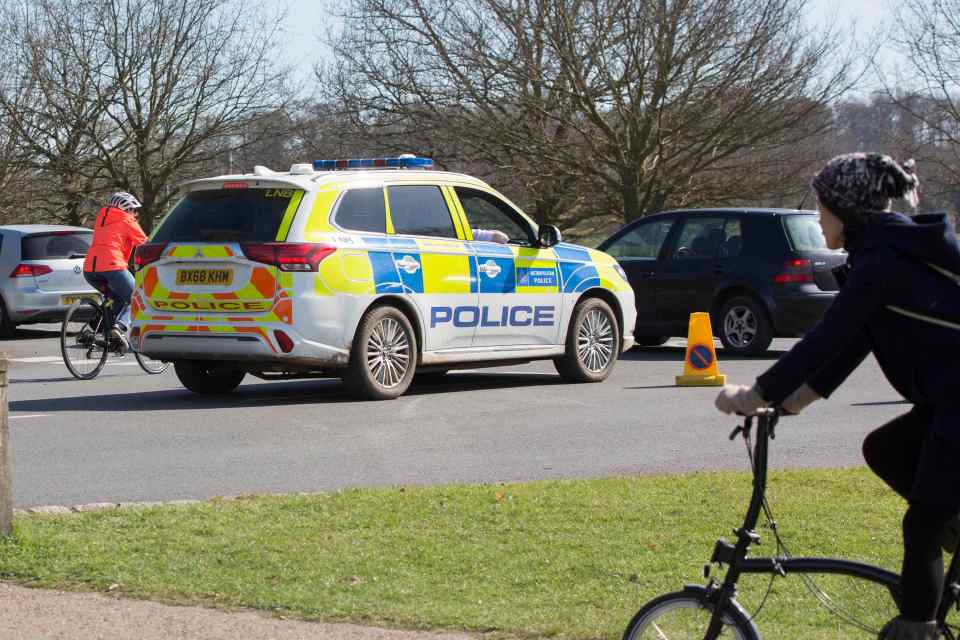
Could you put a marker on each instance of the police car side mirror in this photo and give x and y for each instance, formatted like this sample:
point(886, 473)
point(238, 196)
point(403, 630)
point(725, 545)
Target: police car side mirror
point(548, 236)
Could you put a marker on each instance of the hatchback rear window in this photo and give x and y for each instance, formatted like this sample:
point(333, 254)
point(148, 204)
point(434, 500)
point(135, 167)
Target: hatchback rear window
point(805, 233)
point(60, 244)
point(230, 215)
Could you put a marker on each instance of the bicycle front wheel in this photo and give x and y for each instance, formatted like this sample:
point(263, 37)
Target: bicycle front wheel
point(83, 339)
point(150, 365)
point(685, 615)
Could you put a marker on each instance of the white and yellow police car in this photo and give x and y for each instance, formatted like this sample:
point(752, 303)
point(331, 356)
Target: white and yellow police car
point(368, 270)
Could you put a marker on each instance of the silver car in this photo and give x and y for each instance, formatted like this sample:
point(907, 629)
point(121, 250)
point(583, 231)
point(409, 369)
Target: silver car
point(41, 272)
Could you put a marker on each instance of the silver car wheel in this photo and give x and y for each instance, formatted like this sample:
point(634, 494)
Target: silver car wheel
point(740, 326)
point(388, 353)
point(595, 341)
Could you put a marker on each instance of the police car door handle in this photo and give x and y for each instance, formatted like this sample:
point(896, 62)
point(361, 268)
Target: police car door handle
point(408, 264)
point(490, 268)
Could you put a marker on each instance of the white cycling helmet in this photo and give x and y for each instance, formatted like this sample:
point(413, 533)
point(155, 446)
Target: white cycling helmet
point(123, 200)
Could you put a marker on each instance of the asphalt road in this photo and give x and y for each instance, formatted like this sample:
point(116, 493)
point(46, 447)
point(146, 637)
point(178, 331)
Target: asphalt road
point(129, 436)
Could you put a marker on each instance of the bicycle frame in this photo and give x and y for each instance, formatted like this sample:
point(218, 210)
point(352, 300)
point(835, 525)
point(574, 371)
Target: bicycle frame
point(735, 555)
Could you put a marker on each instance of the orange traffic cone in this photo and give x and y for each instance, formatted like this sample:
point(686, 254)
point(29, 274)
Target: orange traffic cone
point(700, 364)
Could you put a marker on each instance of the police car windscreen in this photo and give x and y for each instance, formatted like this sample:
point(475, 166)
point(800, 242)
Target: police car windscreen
point(230, 215)
point(60, 244)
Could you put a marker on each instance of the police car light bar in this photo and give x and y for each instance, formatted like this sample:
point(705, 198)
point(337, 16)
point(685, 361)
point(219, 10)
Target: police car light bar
point(403, 162)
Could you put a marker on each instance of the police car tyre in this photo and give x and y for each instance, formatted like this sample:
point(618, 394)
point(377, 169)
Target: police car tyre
point(685, 615)
point(208, 377)
point(593, 343)
point(744, 326)
point(383, 358)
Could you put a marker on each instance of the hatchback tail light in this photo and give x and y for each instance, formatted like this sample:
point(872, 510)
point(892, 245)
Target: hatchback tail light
point(288, 256)
point(795, 271)
point(147, 253)
point(24, 270)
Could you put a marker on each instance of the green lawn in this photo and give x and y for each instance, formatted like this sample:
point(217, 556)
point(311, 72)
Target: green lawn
point(565, 559)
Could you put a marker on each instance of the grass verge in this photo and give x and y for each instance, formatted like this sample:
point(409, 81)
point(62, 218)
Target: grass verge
point(564, 559)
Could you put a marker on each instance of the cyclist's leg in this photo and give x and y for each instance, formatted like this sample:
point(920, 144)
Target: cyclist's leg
point(934, 501)
point(893, 451)
point(121, 285)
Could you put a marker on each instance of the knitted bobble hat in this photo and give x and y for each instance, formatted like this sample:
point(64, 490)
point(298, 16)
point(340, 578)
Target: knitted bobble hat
point(856, 184)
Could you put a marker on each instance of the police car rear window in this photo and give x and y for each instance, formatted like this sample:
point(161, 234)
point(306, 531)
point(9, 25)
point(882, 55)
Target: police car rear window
point(362, 210)
point(45, 246)
point(230, 215)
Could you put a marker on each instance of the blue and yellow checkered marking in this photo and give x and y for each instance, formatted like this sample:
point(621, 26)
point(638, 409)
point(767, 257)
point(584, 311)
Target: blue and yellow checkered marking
point(451, 266)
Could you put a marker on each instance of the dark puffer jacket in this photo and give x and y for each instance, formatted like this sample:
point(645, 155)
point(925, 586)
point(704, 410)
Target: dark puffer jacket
point(895, 304)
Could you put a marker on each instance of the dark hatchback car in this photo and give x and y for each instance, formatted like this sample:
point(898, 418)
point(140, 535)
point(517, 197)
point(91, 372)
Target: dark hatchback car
point(760, 273)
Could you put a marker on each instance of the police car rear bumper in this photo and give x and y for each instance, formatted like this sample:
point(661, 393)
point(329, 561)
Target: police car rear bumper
point(240, 347)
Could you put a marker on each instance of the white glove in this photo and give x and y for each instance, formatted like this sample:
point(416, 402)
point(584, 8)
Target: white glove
point(799, 399)
point(740, 399)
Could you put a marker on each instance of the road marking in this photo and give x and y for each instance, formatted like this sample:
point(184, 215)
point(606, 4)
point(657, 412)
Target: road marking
point(50, 359)
point(32, 415)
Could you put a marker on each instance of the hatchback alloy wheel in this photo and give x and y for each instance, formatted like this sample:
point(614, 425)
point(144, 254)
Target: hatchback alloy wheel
point(740, 325)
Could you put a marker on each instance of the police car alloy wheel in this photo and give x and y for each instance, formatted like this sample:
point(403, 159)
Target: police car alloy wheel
point(593, 342)
point(384, 355)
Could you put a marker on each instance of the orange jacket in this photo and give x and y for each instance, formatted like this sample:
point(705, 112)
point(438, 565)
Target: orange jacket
point(116, 234)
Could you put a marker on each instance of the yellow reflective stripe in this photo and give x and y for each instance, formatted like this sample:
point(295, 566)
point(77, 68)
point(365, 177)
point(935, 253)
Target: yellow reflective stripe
point(459, 217)
point(319, 221)
point(386, 208)
point(288, 216)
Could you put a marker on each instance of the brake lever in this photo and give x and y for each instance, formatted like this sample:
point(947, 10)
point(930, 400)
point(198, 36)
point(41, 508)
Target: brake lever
point(743, 428)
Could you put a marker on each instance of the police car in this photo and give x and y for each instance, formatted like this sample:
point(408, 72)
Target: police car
point(368, 270)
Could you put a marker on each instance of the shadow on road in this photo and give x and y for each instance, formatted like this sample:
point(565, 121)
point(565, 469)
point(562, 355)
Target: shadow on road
point(23, 333)
point(325, 391)
point(676, 354)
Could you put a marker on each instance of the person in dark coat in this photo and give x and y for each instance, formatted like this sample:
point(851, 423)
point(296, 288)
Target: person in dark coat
point(900, 300)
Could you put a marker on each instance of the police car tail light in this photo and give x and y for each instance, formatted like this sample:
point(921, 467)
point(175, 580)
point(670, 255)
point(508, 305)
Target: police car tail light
point(795, 271)
point(147, 253)
point(288, 256)
point(24, 270)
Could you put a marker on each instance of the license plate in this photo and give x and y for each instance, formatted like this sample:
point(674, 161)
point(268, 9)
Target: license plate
point(67, 300)
point(207, 277)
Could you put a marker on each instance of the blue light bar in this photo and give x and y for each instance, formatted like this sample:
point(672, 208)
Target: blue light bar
point(403, 162)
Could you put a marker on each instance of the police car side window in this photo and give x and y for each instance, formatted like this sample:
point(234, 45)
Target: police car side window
point(420, 210)
point(486, 211)
point(362, 210)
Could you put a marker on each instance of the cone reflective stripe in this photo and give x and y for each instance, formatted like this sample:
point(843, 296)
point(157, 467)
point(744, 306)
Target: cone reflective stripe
point(700, 364)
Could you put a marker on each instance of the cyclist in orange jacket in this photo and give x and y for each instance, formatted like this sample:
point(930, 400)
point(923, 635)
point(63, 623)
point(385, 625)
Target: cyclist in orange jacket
point(116, 233)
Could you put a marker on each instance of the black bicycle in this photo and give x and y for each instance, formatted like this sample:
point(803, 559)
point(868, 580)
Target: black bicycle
point(87, 340)
point(712, 611)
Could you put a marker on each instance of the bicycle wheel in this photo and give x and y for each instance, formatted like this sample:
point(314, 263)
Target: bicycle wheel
point(83, 340)
point(685, 615)
point(150, 365)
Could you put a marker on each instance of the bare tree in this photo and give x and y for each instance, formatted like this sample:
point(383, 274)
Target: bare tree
point(50, 110)
point(641, 99)
point(926, 92)
point(144, 90)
